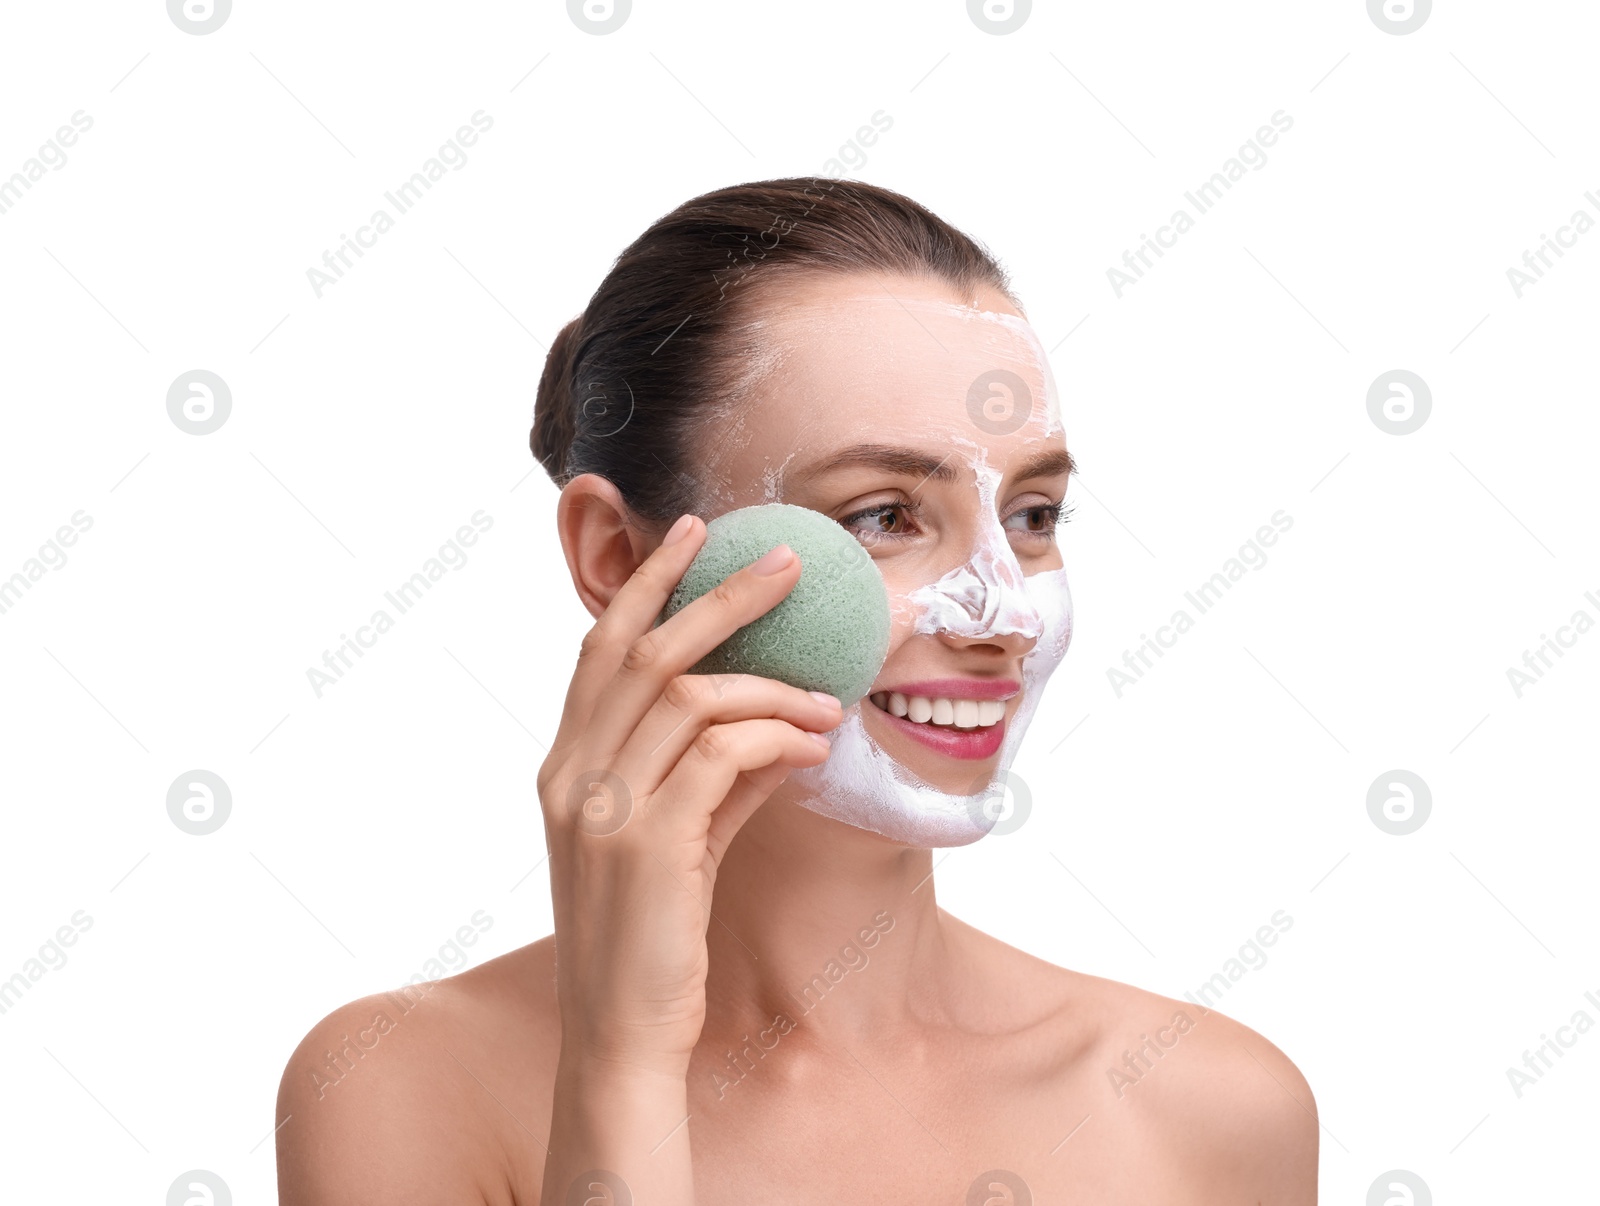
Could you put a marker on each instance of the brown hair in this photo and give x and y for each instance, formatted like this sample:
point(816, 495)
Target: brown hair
point(664, 337)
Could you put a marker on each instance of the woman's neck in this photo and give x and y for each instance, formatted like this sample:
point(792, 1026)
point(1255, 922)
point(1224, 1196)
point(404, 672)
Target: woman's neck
point(826, 925)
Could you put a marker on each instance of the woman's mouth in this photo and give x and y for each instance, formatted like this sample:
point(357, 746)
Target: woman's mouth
point(959, 719)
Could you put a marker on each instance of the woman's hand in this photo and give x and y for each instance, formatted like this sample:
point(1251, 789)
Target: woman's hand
point(652, 773)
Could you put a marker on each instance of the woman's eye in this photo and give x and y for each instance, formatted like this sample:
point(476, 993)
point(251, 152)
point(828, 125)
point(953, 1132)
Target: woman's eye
point(885, 521)
point(895, 521)
point(1039, 522)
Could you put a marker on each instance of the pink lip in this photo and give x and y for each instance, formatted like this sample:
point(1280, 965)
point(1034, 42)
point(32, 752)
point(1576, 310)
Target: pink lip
point(969, 744)
point(958, 688)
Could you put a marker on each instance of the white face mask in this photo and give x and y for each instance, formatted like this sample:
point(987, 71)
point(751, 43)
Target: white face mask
point(988, 595)
point(860, 784)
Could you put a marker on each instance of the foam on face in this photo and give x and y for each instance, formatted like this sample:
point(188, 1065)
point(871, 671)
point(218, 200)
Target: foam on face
point(988, 595)
point(811, 361)
point(861, 785)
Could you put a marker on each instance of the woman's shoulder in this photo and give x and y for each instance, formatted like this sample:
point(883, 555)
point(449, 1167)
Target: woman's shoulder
point(1190, 1060)
point(412, 1093)
point(1167, 1075)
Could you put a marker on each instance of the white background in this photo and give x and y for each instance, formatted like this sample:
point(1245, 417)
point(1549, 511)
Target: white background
point(369, 424)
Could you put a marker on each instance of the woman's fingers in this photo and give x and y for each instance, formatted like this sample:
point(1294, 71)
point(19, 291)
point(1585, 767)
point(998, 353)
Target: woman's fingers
point(749, 791)
point(656, 656)
point(709, 768)
point(692, 702)
point(630, 614)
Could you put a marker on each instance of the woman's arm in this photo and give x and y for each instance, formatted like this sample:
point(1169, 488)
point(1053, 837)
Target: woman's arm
point(652, 772)
point(650, 775)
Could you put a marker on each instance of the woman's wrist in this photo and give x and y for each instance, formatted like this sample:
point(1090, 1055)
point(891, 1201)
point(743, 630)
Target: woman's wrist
point(603, 1066)
point(616, 1119)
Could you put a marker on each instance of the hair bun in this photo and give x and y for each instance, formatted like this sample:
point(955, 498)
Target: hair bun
point(554, 416)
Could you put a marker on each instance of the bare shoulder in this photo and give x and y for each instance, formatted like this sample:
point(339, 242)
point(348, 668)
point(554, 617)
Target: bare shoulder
point(437, 1091)
point(1204, 1105)
point(1229, 1108)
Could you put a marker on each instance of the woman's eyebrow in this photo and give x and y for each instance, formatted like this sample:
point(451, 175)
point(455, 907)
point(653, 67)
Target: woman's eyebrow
point(924, 465)
point(908, 462)
point(1056, 462)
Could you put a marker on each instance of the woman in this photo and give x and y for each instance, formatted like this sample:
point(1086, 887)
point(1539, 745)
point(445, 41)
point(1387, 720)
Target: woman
point(751, 994)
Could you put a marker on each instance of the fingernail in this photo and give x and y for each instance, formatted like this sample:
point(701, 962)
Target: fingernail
point(822, 697)
point(771, 563)
point(678, 530)
point(820, 740)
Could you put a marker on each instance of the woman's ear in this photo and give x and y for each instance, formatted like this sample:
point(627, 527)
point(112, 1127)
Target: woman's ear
point(601, 539)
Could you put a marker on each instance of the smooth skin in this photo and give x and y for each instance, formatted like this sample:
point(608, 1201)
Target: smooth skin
point(653, 1048)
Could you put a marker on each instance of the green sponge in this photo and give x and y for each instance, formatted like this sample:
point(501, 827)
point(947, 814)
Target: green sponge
point(830, 633)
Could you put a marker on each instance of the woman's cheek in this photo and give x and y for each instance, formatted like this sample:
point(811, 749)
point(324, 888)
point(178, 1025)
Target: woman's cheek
point(903, 611)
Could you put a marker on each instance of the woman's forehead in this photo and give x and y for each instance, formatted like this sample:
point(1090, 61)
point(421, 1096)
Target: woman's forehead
point(869, 365)
point(901, 329)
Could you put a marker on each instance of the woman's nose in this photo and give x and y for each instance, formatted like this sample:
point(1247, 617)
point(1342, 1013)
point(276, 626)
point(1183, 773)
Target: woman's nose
point(982, 598)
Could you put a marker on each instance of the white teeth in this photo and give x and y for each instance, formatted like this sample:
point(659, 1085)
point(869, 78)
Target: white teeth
point(956, 713)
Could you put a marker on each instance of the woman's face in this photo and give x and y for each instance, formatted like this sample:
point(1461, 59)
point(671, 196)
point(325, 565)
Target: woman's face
point(931, 430)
